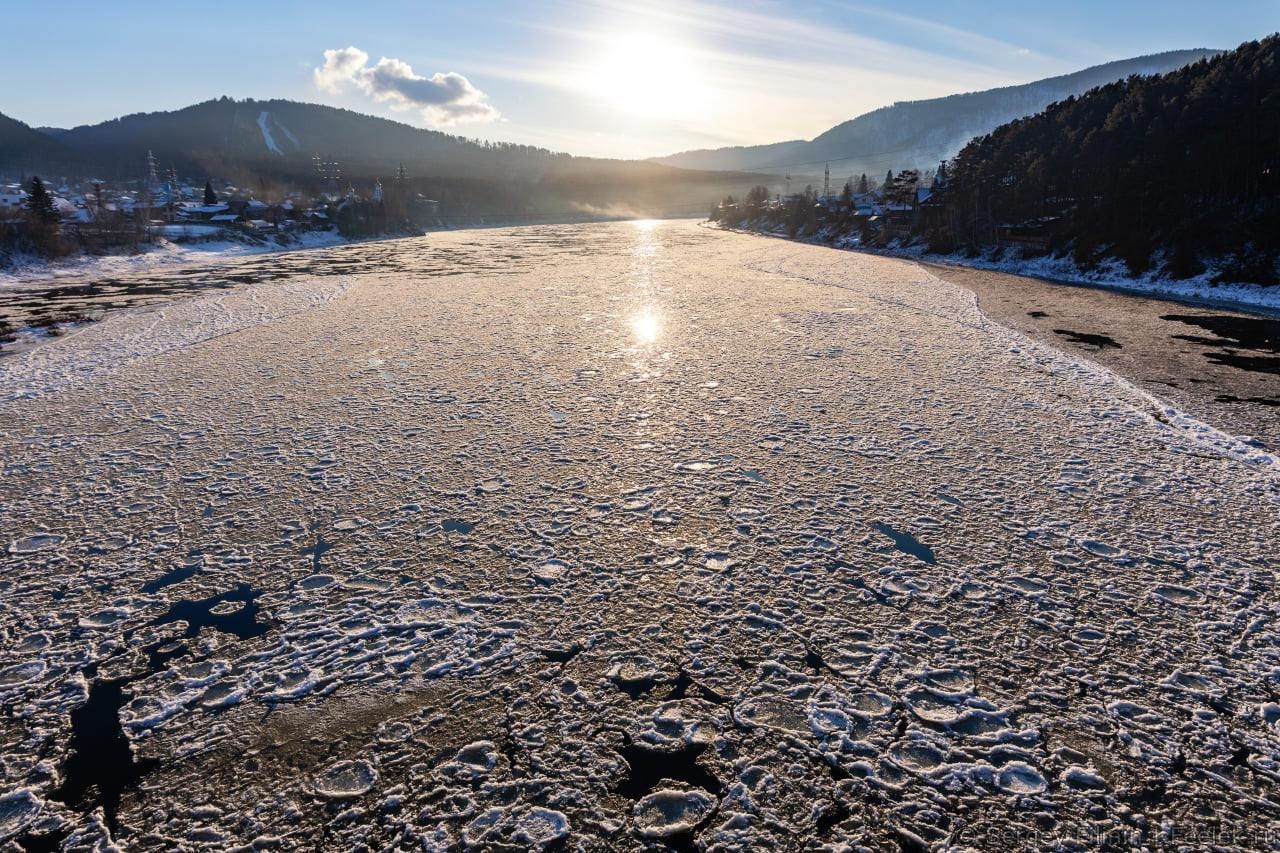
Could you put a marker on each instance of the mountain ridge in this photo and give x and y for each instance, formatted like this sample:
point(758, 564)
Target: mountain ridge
point(22, 145)
point(919, 133)
point(279, 138)
point(271, 147)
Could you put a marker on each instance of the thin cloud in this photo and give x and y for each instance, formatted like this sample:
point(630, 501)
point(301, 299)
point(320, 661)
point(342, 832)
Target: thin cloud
point(755, 62)
point(812, 89)
point(973, 42)
point(442, 99)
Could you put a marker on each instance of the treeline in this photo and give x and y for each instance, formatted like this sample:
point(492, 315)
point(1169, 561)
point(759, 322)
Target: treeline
point(919, 133)
point(1181, 166)
point(223, 136)
point(1163, 173)
point(39, 229)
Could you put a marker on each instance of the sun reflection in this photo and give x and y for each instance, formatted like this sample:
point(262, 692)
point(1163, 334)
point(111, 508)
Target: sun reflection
point(645, 224)
point(646, 326)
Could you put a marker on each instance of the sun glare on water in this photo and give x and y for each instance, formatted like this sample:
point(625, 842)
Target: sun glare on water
point(646, 327)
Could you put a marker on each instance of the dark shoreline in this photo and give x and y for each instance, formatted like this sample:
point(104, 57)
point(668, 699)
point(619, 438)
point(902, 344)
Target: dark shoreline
point(1220, 365)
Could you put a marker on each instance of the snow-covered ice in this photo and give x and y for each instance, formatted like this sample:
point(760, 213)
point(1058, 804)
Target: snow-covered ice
point(162, 254)
point(622, 536)
point(122, 338)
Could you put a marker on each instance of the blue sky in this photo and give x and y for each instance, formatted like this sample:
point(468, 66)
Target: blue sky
point(600, 78)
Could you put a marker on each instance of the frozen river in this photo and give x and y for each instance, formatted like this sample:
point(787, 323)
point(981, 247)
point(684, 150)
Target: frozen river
point(615, 536)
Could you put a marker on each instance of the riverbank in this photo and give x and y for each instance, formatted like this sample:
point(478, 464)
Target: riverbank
point(1219, 365)
point(1112, 276)
point(1108, 275)
point(1216, 357)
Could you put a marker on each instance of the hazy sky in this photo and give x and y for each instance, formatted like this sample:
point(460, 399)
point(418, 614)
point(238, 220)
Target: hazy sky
point(602, 78)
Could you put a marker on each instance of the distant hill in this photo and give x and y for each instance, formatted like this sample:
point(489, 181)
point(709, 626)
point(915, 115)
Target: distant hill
point(279, 138)
point(25, 149)
point(264, 143)
point(913, 134)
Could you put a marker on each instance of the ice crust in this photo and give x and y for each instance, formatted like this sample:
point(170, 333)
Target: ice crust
point(815, 555)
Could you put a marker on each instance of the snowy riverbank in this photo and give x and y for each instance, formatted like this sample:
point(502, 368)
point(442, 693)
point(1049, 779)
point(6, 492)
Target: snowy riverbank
point(1112, 275)
point(1109, 274)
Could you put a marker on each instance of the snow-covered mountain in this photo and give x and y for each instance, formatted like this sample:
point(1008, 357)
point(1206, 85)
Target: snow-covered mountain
point(920, 133)
point(266, 122)
point(279, 138)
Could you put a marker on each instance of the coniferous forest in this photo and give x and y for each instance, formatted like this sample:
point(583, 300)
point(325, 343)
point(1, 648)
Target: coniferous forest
point(1170, 169)
point(1174, 175)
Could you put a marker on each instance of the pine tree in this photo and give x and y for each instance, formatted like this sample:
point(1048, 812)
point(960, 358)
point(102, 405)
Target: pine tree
point(40, 203)
point(863, 189)
point(889, 188)
point(904, 186)
point(210, 197)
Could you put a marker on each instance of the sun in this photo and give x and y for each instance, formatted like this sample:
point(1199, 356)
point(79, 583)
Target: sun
point(648, 75)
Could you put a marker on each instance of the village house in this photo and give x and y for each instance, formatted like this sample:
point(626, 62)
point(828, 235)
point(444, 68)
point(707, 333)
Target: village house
point(203, 212)
point(12, 202)
point(1032, 237)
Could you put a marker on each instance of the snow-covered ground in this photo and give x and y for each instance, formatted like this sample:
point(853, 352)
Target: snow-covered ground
point(1113, 275)
point(618, 536)
point(1110, 274)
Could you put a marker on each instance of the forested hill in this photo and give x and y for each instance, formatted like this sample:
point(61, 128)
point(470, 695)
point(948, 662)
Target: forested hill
point(270, 145)
point(279, 138)
point(24, 148)
point(1188, 161)
point(917, 134)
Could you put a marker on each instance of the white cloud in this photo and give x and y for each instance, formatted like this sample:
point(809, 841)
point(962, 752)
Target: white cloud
point(443, 98)
point(340, 66)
